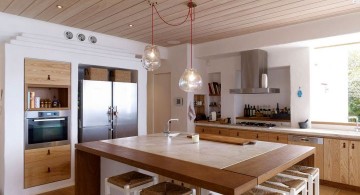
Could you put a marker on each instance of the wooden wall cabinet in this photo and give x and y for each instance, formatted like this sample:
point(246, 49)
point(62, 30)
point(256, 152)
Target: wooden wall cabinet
point(44, 72)
point(46, 165)
point(48, 79)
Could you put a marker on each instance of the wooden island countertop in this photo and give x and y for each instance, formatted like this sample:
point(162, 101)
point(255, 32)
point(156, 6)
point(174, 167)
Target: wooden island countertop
point(220, 167)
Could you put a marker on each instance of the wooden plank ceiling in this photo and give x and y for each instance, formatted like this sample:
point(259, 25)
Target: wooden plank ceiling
point(215, 19)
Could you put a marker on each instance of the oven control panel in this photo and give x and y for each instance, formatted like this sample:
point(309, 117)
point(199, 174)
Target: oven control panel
point(48, 114)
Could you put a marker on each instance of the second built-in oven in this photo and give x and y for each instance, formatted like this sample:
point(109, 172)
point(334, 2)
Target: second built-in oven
point(46, 128)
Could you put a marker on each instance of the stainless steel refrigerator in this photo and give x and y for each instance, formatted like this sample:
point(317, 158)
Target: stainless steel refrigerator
point(107, 110)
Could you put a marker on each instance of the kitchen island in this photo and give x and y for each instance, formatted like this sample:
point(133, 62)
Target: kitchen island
point(220, 167)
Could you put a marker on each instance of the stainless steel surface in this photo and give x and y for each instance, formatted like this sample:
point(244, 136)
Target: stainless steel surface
point(167, 132)
point(95, 133)
point(95, 111)
point(253, 65)
point(306, 139)
point(34, 115)
point(50, 119)
point(125, 113)
point(95, 100)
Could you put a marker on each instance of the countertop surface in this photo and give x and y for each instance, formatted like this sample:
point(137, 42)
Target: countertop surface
point(223, 168)
point(331, 133)
point(209, 153)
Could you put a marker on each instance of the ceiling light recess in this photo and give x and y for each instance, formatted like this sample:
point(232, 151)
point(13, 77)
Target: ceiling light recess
point(59, 6)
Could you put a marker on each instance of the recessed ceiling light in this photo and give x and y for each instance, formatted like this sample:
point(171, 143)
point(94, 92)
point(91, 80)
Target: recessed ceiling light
point(130, 25)
point(59, 6)
point(174, 42)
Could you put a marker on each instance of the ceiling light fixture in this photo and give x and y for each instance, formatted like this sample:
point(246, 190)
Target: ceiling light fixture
point(59, 6)
point(151, 57)
point(190, 80)
point(130, 25)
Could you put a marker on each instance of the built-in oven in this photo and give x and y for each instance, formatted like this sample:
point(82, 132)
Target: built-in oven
point(47, 128)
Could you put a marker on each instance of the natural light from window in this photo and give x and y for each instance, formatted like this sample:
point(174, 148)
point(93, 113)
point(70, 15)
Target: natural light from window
point(335, 84)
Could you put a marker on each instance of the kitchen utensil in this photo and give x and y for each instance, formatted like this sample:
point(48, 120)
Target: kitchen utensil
point(303, 125)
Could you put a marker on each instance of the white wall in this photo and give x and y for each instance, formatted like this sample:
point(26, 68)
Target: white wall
point(110, 51)
point(2, 133)
point(299, 61)
point(227, 66)
point(12, 25)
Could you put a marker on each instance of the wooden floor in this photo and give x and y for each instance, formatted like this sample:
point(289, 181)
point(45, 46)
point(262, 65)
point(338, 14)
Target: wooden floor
point(324, 190)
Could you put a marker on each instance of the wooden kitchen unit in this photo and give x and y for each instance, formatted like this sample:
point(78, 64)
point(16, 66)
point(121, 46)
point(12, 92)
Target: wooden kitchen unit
point(48, 79)
point(241, 172)
point(246, 134)
point(46, 165)
point(342, 161)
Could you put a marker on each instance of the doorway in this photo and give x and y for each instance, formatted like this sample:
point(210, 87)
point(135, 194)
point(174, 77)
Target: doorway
point(162, 101)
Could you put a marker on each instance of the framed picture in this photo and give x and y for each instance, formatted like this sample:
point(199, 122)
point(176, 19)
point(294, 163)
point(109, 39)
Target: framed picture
point(178, 101)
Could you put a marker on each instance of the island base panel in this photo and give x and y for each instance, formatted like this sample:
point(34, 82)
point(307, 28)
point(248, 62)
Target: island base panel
point(87, 173)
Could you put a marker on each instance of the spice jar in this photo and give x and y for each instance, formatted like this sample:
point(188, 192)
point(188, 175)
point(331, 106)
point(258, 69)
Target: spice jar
point(42, 104)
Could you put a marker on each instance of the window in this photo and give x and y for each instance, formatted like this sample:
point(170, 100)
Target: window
point(335, 84)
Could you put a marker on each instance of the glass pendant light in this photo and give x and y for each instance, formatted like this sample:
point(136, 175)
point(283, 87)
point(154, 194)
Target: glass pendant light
point(190, 80)
point(151, 57)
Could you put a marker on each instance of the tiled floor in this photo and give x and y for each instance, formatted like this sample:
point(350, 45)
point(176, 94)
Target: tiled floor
point(324, 190)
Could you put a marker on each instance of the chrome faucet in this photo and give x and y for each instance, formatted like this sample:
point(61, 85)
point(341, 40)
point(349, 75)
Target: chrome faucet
point(167, 132)
point(357, 122)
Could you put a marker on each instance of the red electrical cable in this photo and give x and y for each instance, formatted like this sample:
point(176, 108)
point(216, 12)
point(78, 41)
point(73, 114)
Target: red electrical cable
point(187, 16)
point(152, 24)
point(191, 33)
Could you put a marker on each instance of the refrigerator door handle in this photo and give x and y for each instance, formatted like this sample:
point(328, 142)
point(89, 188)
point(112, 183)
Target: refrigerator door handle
point(110, 113)
point(110, 134)
point(115, 112)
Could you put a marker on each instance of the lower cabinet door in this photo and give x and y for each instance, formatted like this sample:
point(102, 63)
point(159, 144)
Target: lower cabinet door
point(336, 160)
point(354, 163)
point(50, 172)
point(46, 165)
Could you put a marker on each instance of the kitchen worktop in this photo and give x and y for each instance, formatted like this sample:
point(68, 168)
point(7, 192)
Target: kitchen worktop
point(223, 168)
point(180, 147)
point(340, 134)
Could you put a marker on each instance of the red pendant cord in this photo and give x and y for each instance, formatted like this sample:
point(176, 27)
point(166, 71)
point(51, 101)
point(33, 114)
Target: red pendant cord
point(152, 24)
point(187, 16)
point(191, 33)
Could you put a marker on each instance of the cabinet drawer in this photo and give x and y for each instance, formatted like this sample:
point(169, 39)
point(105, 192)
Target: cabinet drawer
point(278, 137)
point(43, 154)
point(45, 72)
point(204, 129)
point(256, 135)
point(237, 133)
point(224, 132)
point(48, 171)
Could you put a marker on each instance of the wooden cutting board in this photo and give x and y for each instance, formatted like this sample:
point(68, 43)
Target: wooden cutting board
point(225, 139)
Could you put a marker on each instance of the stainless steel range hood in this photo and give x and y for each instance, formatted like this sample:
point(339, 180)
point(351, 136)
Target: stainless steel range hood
point(253, 65)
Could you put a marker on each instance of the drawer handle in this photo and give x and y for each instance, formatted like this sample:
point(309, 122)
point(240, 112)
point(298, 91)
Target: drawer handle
point(305, 139)
point(48, 152)
point(237, 134)
point(219, 132)
point(257, 136)
point(48, 77)
point(277, 138)
point(344, 145)
point(49, 170)
point(353, 146)
point(203, 130)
